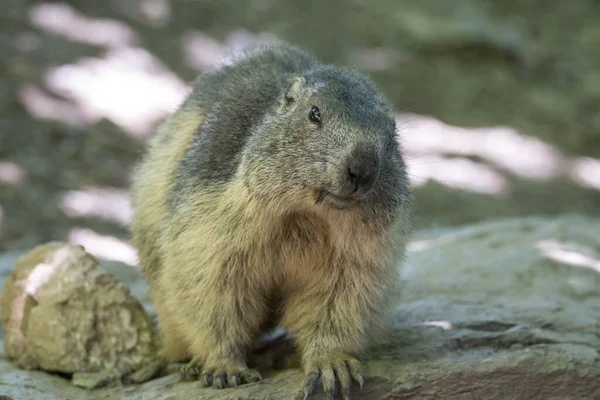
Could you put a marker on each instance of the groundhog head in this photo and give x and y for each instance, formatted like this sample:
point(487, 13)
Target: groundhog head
point(328, 139)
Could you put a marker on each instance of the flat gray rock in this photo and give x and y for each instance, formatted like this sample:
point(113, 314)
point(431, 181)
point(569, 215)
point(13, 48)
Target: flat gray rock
point(497, 310)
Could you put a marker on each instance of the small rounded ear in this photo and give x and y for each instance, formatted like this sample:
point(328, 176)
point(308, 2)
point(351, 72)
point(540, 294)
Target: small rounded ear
point(293, 92)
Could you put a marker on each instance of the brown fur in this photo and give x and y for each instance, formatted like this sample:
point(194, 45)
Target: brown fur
point(227, 259)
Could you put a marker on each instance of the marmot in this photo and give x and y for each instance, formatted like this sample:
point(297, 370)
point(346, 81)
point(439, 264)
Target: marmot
point(276, 195)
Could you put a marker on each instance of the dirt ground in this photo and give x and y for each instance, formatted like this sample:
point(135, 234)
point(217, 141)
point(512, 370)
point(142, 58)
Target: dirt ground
point(498, 101)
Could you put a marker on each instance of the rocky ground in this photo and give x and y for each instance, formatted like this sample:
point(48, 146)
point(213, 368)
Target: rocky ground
point(496, 310)
point(511, 89)
point(497, 107)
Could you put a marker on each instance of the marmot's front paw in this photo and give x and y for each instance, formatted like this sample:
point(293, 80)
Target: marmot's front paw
point(191, 370)
point(228, 375)
point(336, 366)
point(221, 375)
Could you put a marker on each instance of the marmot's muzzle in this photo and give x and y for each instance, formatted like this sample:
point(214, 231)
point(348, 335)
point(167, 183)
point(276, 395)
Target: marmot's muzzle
point(359, 171)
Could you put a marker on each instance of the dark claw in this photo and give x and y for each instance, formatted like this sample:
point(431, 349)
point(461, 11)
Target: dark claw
point(191, 370)
point(250, 376)
point(356, 373)
point(189, 373)
point(207, 379)
point(220, 380)
point(343, 370)
point(234, 379)
point(310, 383)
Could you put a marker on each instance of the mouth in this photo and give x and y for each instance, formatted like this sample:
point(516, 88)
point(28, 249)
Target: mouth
point(334, 201)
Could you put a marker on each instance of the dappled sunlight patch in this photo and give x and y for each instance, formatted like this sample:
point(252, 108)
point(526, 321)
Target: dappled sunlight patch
point(427, 244)
point(438, 151)
point(104, 247)
point(106, 203)
point(458, 173)
point(524, 156)
point(11, 173)
point(445, 325)
point(43, 106)
point(158, 12)
point(202, 51)
point(586, 172)
point(129, 86)
point(569, 254)
point(61, 19)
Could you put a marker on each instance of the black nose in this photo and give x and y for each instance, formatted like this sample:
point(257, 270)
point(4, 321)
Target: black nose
point(362, 170)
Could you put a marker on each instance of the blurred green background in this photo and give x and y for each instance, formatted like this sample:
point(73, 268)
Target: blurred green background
point(498, 101)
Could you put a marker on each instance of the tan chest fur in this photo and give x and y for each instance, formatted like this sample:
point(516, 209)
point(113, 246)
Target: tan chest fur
point(281, 248)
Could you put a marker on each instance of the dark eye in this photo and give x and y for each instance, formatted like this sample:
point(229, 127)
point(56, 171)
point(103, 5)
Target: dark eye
point(314, 115)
